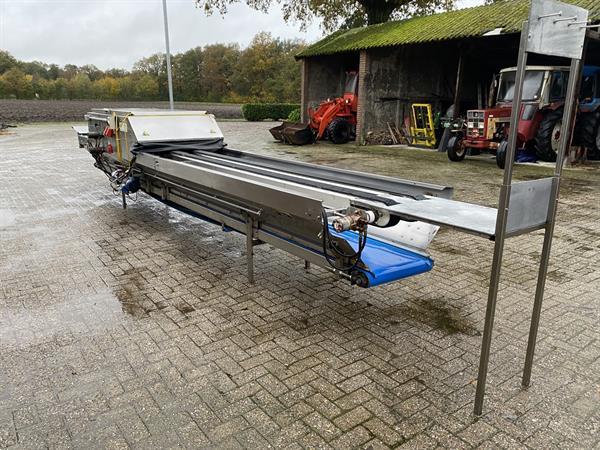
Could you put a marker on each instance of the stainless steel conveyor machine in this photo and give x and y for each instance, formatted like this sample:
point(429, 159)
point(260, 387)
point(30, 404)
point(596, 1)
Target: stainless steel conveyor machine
point(365, 228)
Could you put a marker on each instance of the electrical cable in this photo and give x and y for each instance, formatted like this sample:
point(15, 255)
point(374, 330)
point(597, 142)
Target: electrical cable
point(326, 239)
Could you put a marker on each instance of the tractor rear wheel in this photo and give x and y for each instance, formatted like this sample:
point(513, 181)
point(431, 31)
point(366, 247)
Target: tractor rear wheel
point(339, 131)
point(585, 131)
point(547, 138)
point(595, 154)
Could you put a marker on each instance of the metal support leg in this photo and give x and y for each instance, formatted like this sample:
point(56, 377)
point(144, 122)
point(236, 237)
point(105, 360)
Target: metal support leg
point(490, 311)
point(537, 308)
point(124, 200)
point(564, 145)
point(250, 249)
point(306, 265)
point(501, 220)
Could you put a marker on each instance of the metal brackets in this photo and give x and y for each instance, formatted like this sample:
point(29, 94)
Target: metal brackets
point(555, 29)
point(529, 205)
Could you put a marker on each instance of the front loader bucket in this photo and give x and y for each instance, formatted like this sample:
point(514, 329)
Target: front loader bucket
point(298, 134)
point(295, 133)
point(277, 131)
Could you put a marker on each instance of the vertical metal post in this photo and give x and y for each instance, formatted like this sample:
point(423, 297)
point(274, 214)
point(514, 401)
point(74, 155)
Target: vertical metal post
point(567, 127)
point(459, 83)
point(124, 200)
point(169, 75)
point(250, 248)
point(501, 219)
point(306, 265)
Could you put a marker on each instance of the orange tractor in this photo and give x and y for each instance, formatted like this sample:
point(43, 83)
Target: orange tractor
point(334, 119)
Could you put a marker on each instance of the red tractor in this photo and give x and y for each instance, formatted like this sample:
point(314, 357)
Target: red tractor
point(540, 121)
point(334, 119)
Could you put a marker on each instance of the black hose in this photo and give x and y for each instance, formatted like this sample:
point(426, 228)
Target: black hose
point(326, 239)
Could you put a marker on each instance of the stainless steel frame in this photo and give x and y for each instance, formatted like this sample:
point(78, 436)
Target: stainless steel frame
point(546, 32)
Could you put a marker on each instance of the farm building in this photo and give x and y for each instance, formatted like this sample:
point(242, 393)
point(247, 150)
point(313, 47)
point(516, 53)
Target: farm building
point(444, 59)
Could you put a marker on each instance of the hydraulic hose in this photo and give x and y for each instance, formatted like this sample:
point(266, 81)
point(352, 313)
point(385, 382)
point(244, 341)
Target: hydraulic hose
point(327, 242)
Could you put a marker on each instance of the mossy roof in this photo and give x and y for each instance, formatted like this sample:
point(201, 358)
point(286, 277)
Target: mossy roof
point(507, 15)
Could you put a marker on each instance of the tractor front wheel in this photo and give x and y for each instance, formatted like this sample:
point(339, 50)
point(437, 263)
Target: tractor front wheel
point(339, 131)
point(547, 138)
point(501, 154)
point(456, 149)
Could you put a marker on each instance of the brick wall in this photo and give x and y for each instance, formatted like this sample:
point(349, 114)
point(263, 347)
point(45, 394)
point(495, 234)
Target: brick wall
point(363, 67)
point(304, 83)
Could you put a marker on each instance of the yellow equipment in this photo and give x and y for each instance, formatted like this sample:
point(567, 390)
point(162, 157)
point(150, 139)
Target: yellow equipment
point(421, 131)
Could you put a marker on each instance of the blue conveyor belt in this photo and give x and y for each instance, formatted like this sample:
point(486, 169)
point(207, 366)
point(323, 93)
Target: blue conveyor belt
point(387, 262)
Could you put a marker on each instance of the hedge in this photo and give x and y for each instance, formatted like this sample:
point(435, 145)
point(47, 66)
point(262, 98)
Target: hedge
point(263, 111)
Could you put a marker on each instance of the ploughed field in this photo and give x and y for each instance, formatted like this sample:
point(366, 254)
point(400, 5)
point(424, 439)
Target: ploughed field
point(29, 111)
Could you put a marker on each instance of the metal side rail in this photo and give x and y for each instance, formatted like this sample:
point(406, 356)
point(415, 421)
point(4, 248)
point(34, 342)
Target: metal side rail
point(294, 231)
point(404, 199)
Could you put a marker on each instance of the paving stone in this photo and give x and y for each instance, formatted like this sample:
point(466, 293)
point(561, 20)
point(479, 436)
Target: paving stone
point(477, 432)
point(383, 432)
point(8, 435)
point(260, 421)
point(352, 439)
point(313, 440)
point(420, 442)
point(250, 438)
point(352, 418)
point(323, 405)
point(228, 429)
point(192, 436)
point(322, 426)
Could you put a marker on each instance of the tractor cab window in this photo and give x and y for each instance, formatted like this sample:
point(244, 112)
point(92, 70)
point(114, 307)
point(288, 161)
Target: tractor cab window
point(532, 86)
point(558, 85)
point(351, 82)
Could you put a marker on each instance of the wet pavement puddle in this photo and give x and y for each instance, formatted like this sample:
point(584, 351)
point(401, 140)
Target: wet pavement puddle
point(436, 314)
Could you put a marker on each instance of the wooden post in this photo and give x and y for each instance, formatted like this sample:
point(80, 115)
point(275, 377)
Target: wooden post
point(456, 105)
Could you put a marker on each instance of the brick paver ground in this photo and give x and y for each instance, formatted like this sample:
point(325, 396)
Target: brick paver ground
point(138, 328)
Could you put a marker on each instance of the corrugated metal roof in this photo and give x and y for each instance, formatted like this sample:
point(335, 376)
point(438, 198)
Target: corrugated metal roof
point(501, 17)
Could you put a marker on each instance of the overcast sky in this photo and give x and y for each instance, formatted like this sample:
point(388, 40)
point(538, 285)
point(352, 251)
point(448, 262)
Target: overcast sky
point(116, 33)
